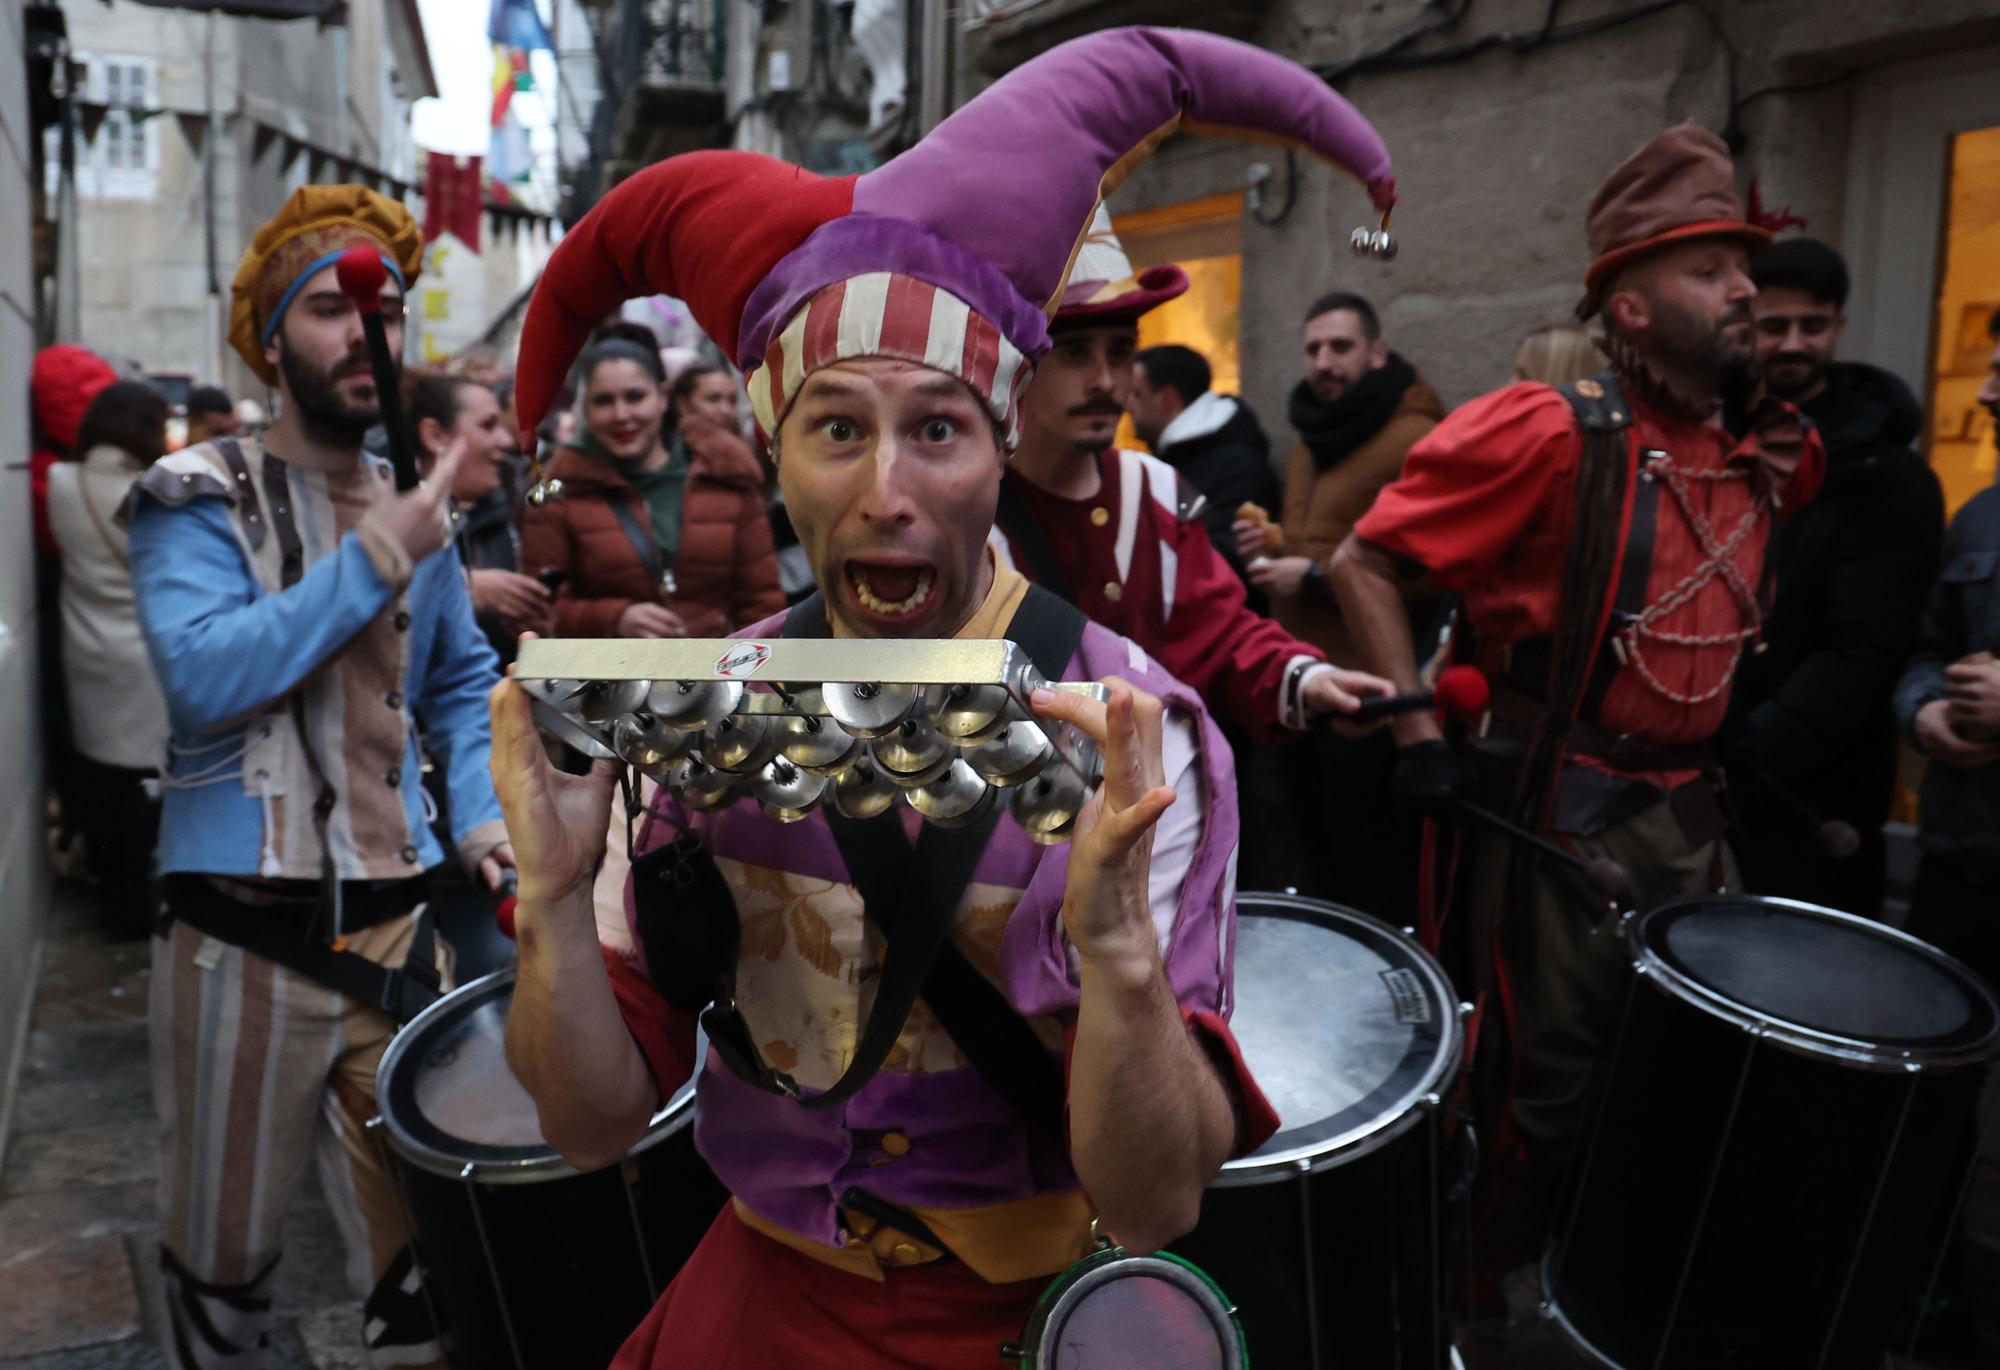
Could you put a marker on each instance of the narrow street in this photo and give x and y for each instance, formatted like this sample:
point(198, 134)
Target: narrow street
point(78, 1223)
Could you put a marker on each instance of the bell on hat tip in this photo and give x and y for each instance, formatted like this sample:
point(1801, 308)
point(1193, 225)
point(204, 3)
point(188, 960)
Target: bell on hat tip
point(545, 492)
point(1362, 241)
point(1382, 244)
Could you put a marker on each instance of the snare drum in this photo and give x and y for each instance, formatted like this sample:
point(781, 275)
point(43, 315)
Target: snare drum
point(1330, 1236)
point(528, 1263)
point(1115, 1311)
point(1782, 1137)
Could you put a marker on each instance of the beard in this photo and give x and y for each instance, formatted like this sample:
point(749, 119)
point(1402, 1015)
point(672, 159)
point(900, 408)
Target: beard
point(1706, 347)
point(326, 415)
point(1811, 371)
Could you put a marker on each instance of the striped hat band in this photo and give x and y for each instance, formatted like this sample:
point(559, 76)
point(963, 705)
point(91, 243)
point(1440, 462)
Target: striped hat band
point(885, 314)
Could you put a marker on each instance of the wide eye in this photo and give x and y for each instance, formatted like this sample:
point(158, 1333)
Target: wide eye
point(939, 430)
point(840, 430)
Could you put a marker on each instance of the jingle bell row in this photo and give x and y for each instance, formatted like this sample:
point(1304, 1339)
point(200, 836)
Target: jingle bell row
point(951, 751)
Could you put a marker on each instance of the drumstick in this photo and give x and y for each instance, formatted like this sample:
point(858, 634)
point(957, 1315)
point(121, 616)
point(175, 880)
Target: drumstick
point(1604, 876)
point(1837, 839)
point(361, 273)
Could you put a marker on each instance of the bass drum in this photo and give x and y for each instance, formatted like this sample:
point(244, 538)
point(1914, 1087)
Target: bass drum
point(528, 1263)
point(1782, 1139)
point(1330, 1238)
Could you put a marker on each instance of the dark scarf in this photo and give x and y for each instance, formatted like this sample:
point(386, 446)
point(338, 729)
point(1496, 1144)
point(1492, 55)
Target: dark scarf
point(1332, 430)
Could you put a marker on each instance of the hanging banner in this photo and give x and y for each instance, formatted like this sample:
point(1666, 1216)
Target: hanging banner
point(451, 197)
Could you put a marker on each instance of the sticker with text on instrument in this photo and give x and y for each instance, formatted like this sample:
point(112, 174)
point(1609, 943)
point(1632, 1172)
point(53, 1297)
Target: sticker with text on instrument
point(1406, 992)
point(743, 660)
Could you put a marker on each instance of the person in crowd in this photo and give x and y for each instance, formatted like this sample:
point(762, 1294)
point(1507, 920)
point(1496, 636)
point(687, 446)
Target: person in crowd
point(704, 393)
point(1120, 534)
point(1813, 739)
point(1213, 440)
point(443, 410)
point(1559, 353)
point(1611, 657)
point(303, 617)
point(661, 532)
point(478, 363)
point(1948, 705)
point(118, 717)
point(61, 385)
point(891, 400)
point(210, 414)
point(1357, 411)
point(619, 329)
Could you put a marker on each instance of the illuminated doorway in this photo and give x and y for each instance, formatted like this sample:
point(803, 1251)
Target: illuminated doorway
point(1204, 238)
point(1961, 432)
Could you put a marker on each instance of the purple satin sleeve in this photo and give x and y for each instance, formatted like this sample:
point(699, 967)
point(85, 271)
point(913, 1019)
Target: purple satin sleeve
point(1046, 134)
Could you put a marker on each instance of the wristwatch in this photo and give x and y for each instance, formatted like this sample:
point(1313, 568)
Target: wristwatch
point(1313, 578)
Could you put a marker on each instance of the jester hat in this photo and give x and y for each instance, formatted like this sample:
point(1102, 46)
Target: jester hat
point(952, 255)
point(1104, 288)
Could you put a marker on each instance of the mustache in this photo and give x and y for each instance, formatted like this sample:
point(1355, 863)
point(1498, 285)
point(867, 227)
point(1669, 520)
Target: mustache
point(1090, 407)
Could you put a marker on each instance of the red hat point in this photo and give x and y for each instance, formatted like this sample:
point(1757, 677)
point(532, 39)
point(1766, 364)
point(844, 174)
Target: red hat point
point(361, 273)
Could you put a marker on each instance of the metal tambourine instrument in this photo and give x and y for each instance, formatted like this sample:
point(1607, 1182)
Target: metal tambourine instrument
point(943, 726)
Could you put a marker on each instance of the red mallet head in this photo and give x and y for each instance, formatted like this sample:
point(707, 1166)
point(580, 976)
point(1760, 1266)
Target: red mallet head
point(1461, 692)
point(361, 273)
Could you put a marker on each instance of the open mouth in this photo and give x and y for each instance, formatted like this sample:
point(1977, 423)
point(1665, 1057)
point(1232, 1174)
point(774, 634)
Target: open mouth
point(892, 590)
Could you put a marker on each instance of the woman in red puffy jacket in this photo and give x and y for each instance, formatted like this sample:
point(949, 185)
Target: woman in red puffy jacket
point(661, 530)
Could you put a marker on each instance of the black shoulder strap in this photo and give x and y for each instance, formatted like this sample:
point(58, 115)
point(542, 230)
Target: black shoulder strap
point(913, 896)
point(638, 535)
point(1597, 523)
point(1039, 562)
point(246, 491)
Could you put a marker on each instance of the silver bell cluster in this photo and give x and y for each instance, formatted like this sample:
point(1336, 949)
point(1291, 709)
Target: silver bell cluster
point(1373, 242)
point(943, 727)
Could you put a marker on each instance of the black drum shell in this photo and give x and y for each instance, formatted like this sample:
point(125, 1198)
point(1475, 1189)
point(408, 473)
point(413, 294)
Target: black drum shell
point(1835, 1184)
point(527, 1262)
point(1350, 1235)
point(1374, 1250)
point(561, 1258)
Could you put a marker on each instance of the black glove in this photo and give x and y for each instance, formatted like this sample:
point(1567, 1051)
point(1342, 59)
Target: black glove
point(1428, 777)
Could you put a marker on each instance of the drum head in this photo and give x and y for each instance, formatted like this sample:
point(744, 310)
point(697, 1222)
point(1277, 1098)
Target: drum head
point(1112, 1311)
point(1819, 978)
point(449, 1099)
point(1346, 1024)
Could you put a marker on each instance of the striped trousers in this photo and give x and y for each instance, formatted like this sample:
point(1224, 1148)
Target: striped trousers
point(255, 1070)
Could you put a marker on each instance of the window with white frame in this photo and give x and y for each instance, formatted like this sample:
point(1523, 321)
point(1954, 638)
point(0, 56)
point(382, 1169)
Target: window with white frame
point(123, 161)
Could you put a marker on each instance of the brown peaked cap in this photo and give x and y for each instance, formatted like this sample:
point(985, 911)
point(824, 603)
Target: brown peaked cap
point(1680, 185)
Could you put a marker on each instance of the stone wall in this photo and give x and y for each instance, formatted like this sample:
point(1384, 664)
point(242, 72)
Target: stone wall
point(1497, 155)
point(24, 876)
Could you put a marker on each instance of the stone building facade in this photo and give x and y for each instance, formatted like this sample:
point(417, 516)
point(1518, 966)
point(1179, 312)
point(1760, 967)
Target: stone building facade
point(295, 100)
point(1503, 116)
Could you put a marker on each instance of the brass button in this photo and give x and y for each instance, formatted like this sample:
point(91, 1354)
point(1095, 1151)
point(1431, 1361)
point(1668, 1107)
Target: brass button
point(394, 699)
point(1113, 591)
point(902, 1253)
point(402, 620)
point(1100, 516)
point(409, 855)
point(393, 779)
point(896, 1144)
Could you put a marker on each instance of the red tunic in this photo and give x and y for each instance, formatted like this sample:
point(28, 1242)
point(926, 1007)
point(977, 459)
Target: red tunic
point(1139, 567)
point(1485, 504)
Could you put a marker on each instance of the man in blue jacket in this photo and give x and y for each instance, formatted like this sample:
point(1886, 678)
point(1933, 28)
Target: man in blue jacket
point(304, 619)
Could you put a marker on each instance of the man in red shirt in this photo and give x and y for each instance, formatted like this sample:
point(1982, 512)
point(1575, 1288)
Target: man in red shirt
point(1120, 534)
point(1607, 542)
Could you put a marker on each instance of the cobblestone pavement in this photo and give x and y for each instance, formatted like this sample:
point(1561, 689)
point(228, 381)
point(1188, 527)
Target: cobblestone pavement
point(78, 1226)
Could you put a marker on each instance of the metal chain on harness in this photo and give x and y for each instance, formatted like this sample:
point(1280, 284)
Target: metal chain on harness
point(1718, 560)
